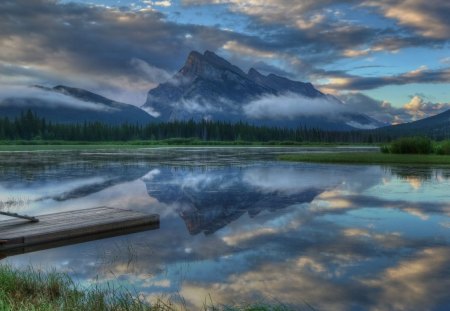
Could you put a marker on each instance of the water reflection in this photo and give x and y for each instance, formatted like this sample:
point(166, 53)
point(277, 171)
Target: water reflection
point(335, 237)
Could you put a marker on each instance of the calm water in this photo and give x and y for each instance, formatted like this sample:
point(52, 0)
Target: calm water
point(238, 226)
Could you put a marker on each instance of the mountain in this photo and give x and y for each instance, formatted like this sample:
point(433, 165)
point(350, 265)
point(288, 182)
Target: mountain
point(437, 127)
point(209, 87)
point(65, 104)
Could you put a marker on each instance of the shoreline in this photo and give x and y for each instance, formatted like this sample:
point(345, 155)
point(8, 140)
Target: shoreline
point(366, 158)
point(74, 146)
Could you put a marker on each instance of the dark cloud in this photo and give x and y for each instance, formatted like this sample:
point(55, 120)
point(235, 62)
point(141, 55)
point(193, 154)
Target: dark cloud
point(122, 53)
point(322, 26)
point(420, 75)
point(100, 47)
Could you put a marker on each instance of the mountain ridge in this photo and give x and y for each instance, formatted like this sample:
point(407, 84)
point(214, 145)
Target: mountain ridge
point(65, 104)
point(437, 127)
point(210, 87)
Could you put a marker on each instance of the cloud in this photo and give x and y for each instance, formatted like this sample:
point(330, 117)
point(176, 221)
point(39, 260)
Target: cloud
point(200, 105)
point(195, 105)
point(302, 14)
point(154, 74)
point(429, 18)
point(163, 3)
point(121, 53)
point(236, 47)
point(290, 106)
point(416, 108)
point(419, 75)
point(26, 96)
point(415, 283)
point(106, 49)
point(151, 111)
point(324, 27)
point(289, 181)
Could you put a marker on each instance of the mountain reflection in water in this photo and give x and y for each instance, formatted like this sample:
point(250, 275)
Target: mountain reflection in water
point(335, 237)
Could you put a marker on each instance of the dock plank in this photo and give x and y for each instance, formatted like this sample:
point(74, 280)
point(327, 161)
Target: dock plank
point(72, 225)
point(49, 224)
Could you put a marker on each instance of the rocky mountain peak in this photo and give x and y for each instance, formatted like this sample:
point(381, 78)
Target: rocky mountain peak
point(210, 87)
point(208, 65)
point(254, 73)
point(256, 76)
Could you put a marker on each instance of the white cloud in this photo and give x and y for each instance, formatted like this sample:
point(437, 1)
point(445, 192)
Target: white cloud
point(162, 3)
point(418, 108)
point(290, 106)
point(151, 111)
point(50, 99)
point(195, 105)
point(154, 74)
point(445, 60)
point(289, 180)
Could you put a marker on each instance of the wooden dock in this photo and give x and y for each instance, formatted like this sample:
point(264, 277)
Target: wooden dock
point(58, 229)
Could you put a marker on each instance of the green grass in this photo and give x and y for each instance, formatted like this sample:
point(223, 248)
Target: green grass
point(41, 145)
point(31, 290)
point(367, 158)
point(27, 148)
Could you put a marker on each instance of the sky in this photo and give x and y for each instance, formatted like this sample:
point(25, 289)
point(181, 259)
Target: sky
point(389, 59)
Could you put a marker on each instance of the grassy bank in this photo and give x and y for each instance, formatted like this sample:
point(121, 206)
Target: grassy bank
point(42, 145)
point(417, 145)
point(406, 150)
point(38, 291)
point(367, 158)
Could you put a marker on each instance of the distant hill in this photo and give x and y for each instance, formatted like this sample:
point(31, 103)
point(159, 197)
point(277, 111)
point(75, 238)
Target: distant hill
point(65, 104)
point(437, 127)
point(209, 87)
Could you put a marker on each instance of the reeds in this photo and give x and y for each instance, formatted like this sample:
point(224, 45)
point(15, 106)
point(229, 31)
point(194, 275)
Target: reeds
point(31, 289)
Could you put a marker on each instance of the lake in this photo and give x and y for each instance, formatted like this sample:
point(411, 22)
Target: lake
point(238, 226)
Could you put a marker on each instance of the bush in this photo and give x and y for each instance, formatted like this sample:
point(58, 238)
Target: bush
point(385, 149)
point(414, 145)
point(443, 147)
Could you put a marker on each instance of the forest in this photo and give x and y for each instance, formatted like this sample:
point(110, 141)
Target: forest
point(29, 126)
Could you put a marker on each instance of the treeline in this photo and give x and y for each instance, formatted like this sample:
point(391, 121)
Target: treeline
point(29, 126)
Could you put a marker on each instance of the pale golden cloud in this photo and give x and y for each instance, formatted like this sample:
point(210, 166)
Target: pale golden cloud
point(414, 284)
point(292, 282)
point(236, 47)
point(418, 108)
point(241, 236)
point(428, 17)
